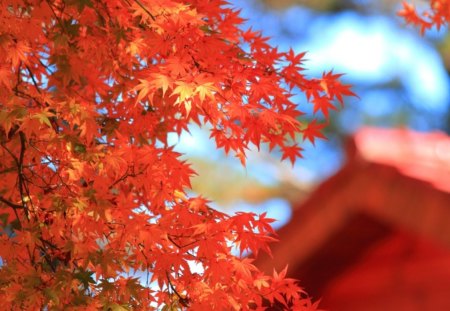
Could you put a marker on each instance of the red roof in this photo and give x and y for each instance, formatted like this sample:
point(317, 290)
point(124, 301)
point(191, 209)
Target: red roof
point(423, 156)
point(393, 192)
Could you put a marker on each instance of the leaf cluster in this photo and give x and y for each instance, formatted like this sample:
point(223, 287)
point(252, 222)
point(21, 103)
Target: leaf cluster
point(93, 205)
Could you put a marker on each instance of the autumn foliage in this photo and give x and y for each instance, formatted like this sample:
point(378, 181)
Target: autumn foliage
point(437, 15)
point(93, 205)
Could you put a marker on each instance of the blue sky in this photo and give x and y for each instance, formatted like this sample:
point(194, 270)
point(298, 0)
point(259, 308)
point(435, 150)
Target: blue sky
point(368, 48)
point(371, 50)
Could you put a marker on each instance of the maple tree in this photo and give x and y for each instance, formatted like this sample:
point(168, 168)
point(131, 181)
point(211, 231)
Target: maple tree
point(437, 15)
point(92, 196)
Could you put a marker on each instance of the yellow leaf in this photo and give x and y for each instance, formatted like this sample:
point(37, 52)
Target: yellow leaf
point(43, 117)
point(160, 81)
point(184, 91)
point(156, 81)
point(143, 88)
point(204, 90)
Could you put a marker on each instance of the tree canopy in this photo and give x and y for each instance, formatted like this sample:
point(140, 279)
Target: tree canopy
point(94, 204)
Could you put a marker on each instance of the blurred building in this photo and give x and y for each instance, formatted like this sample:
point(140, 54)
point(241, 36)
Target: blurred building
point(376, 235)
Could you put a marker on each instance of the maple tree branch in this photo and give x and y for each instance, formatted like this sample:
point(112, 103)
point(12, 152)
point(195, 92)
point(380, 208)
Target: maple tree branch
point(7, 170)
point(21, 180)
point(33, 79)
point(55, 163)
point(122, 178)
point(34, 174)
point(197, 64)
point(182, 246)
point(13, 205)
point(16, 160)
point(10, 204)
point(126, 175)
point(19, 93)
point(47, 68)
point(47, 258)
point(58, 19)
point(20, 171)
point(184, 301)
point(143, 254)
point(46, 255)
point(24, 95)
point(18, 77)
point(145, 9)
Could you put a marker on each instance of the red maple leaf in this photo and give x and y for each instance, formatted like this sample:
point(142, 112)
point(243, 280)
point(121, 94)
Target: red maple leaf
point(313, 130)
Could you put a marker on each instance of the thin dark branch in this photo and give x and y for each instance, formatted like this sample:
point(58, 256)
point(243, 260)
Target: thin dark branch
point(20, 171)
point(145, 9)
point(127, 174)
point(7, 170)
point(184, 301)
point(33, 79)
point(19, 80)
point(47, 68)
point(10, 204)
point(15, 207)
point(61, 180)
point(47, 258)
point(16, 160)
point(58, 19)
point(183, 246)
point(53, 120)
point(122, 178)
